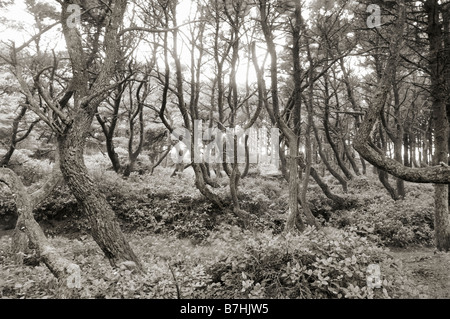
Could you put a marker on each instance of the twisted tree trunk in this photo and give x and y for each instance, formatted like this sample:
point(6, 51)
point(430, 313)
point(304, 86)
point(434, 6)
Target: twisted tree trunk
point(105, 228)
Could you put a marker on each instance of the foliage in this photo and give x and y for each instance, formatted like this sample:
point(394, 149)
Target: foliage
point(30, 170)
point(8, 210)
point(159, 204)
point(392, 223)
point(325, 264)
point(191, 248)
point(231, 263)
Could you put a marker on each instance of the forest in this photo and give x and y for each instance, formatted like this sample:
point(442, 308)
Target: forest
point(224, 149)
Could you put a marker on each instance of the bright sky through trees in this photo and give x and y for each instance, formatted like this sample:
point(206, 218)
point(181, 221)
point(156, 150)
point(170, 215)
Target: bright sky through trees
point(19, 29)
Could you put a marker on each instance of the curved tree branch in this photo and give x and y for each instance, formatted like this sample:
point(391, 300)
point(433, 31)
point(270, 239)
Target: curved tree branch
point(439, 174)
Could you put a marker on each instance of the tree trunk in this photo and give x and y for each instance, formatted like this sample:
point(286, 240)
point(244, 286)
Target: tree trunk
point(351, 158)
point(384, 179)
point(440, 120)
point(247, 158)
point(363, 164)
point(14, 140)
point(339, 201)
point(109, 131)
point(398, 157)
point(382, 175)
point(105, 228)
point(293, 221)
point(67, 273)
point(326, 125)
point(283, 162)
point(406, 161)
point(113, 156)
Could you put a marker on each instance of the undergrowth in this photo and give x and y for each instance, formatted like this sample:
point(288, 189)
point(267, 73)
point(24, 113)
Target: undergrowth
point(231, 263)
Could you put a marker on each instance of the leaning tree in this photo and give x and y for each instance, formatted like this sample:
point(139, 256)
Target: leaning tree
point(69, 109)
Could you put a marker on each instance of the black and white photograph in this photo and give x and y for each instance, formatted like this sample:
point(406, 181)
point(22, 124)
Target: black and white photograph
point(224, 158)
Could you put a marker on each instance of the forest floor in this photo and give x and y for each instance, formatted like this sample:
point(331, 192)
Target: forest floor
point(428, 268)
point(177, 212)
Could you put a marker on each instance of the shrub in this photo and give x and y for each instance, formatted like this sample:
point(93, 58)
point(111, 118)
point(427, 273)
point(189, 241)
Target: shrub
point(393, 223)
point(153, 203)
point(61, 214)
point(329, 263)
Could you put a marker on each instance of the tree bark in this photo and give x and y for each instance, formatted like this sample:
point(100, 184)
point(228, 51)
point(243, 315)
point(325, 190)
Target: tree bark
point(440, 123)
point(326, 125)
point(382, 175)
point(351, 158)
point(67, 273)
point(247, 158)
point(105, 228)
point(336, 175)
point(109, 131)
point(406, 146)
point(339, 201)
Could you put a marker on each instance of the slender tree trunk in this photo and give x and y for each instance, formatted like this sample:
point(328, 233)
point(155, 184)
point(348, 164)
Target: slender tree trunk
point(293, 221)
point(67, 273)
point(441, 200)
point(350, 158)
point(338, 201)
point(112, 154)
point(363, 164)
point(234, 182)
point(406, 149)
point(294, 136)
point(109, 131)
point(382, 175)
point(414, 152)
point(336, 175)
point(283, 162)
point(310, 219)
point(14, 140)
point(326, 125)
point(440, 119)
point(207, 176)
point(384, 179)
point(247, 158)
point(398, 157)
point(397, 139)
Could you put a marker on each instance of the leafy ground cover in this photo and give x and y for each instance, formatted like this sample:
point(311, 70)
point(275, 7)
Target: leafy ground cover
point(191, 249)
point(231, 264)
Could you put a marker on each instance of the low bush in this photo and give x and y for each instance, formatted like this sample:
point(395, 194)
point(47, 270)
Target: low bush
point(393, 223)
point(329, 263)
point(159, 204)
